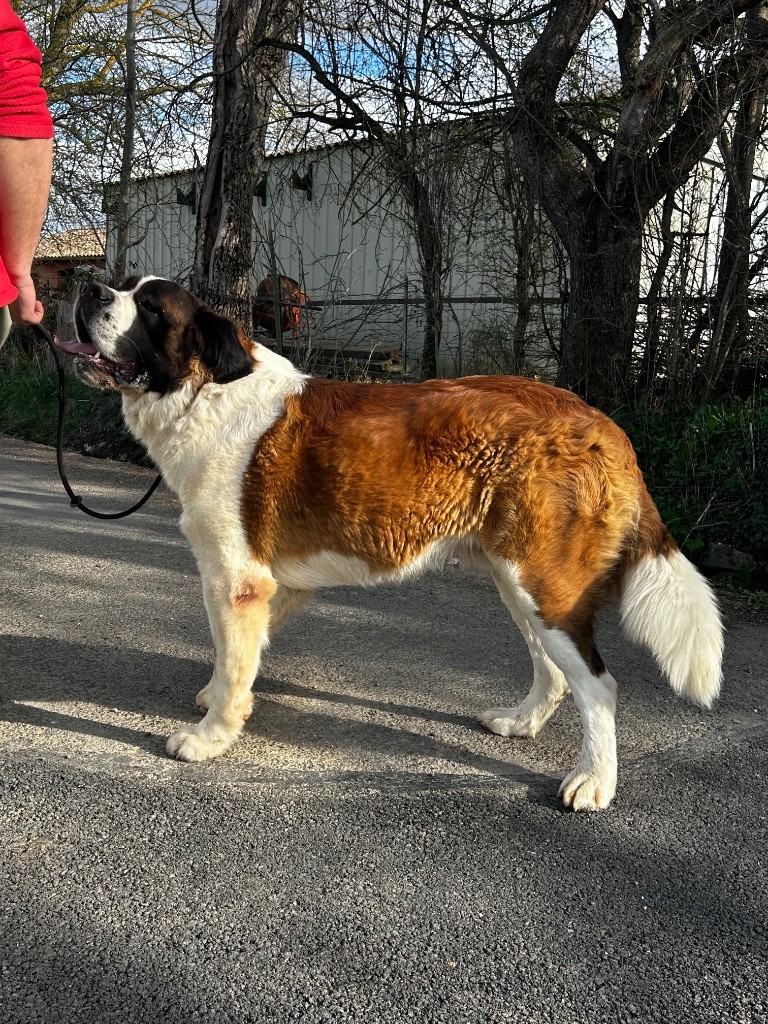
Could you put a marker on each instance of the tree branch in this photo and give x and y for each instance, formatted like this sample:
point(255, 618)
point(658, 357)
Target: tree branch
point(533, 124)
point(690, 139)
point(695, 20)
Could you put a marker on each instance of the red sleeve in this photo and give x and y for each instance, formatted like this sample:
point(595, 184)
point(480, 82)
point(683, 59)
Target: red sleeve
point(7, 291)
point(23, 110)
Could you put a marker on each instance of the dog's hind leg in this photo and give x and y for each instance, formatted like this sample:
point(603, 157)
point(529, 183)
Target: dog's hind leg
point(284, 604)
point(239, 619)
point(549, 684)
point(592, 783)
point(570, 648)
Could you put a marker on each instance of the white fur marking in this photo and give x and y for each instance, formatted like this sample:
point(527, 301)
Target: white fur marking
point(116, 320)
point(331, 569)
point(668, 606)
point(547, 692)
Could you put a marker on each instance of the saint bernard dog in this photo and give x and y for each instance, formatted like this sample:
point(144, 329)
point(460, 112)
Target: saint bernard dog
point(290, 483)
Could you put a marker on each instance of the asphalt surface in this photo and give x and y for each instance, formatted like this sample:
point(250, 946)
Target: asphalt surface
point(366, 853)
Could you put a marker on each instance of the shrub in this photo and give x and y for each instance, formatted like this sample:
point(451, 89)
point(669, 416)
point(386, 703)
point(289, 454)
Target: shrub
point(707, 469)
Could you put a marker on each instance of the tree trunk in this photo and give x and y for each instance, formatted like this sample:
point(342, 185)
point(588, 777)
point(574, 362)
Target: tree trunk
point(433, 331)
point(432, 285)
point(524, 233)
point(430, 242)
point(245, 75)
point(731, 303)
point(602, 311)
point(129, 132)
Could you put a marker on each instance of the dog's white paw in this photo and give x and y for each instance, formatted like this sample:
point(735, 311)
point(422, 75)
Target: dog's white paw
point(203, 699)
point(585, 791)
point(197, 744)
point(511, 722)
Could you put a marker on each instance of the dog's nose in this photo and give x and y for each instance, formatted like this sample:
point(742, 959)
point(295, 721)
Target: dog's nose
point(96, 291)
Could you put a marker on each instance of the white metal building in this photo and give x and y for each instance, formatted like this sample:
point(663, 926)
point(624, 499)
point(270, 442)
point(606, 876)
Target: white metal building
point(340, 231)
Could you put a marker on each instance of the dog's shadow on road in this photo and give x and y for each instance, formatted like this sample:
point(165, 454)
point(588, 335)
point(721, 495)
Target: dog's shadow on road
point(363, 726)
point(41, 672)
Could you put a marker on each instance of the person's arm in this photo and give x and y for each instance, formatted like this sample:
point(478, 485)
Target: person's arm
point(25, 164)
point(25, 183)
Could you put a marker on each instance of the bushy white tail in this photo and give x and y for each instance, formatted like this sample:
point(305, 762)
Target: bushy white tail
point(668, 606)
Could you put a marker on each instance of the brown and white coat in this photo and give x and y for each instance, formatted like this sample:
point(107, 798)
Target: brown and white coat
point(290, 483)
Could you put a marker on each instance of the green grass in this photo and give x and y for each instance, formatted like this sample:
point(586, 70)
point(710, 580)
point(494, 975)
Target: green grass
point(29, 404)
point(741, 585)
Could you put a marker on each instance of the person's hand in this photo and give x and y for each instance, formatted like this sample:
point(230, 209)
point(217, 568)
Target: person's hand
point(27, 308)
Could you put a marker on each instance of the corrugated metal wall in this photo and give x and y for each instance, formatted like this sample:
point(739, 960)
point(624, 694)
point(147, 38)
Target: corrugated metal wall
point(348, 241)
point(162, 230)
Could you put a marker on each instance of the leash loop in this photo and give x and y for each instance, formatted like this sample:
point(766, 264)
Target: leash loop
point(75, 500)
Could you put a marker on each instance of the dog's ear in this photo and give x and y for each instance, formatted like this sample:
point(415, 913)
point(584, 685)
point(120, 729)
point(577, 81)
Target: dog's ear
point(219, 346)
point(129, 283)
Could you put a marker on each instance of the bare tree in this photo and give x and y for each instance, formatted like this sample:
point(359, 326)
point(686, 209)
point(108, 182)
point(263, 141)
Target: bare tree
point(602, 164)
point(245, 74)
point(730, 308)
point(385, 74)
point(101, 78)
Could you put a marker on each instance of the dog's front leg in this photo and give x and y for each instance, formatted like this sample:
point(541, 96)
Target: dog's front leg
point(285, 602)
point(239, 619)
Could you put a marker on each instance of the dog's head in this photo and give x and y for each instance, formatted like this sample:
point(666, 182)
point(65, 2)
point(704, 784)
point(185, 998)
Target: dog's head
point(153, 335)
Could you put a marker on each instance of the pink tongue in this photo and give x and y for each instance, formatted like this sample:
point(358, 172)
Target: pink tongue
point(76, 348)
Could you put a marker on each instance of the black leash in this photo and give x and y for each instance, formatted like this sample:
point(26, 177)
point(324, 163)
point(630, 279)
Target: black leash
point(76, 501)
